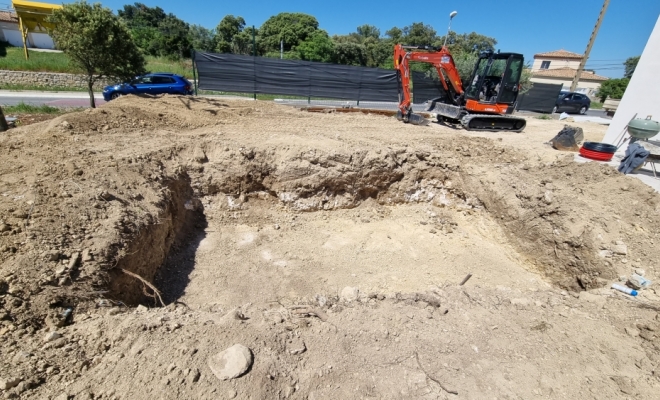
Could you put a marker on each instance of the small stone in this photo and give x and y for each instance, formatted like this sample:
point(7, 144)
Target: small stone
point(232, 394)
point(647, 335)
point(66, 125)
point(171, 368)
point(350, 293)
point(4, 228)
point(87, 255)
point(73, 261)
point(322, 300)
point(640, 272)
point(50, 336)
point(231, 363)
point(6, 384)
point(297, 346)
point(520, 302)
point(199, 155)
point(276, 226)
point(547, 197)
point(631, 331)
point(141, 309)
point(620, 249)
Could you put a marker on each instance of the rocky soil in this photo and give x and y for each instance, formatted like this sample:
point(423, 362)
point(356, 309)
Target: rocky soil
point(141, 241)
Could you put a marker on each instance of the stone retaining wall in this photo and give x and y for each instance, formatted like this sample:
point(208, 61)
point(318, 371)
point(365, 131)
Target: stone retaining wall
point(47, 79)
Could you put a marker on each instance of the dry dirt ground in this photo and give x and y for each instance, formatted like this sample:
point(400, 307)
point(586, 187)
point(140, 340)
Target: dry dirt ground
point(331, 245)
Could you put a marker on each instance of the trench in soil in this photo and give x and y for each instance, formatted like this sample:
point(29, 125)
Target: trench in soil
point(256, 247)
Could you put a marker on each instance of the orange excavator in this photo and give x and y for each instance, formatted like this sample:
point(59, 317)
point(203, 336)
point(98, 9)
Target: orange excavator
point(484, 104)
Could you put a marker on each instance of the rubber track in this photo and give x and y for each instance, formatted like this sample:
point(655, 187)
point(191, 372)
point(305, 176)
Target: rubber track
point(465, 121)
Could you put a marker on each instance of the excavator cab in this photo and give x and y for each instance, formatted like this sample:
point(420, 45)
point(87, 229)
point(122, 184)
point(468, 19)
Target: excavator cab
point(493, 87)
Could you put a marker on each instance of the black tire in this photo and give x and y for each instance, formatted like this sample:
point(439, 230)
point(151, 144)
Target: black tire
point(554, 110)
point(602, 147)
point(583, 110)
point(115, 95)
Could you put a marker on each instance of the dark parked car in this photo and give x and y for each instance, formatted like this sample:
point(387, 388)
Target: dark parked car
point(572, 102)
point(157, 83)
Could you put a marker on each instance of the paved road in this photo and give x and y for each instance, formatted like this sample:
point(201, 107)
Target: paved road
point(81, 99)
point(55, 99)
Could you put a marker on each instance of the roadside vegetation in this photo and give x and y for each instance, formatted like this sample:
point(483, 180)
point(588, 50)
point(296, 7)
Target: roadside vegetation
point(23, 108)
point(12, 59)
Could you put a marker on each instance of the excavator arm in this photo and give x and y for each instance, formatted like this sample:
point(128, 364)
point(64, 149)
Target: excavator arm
point(441, 60)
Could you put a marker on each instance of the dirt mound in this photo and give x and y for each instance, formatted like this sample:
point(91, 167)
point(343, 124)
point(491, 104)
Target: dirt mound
point(211, 205)
point(136, 113)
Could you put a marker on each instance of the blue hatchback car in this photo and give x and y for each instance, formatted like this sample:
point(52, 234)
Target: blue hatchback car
point(156, 83)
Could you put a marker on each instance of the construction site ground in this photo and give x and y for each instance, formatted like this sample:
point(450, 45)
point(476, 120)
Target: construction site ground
point(331, 245)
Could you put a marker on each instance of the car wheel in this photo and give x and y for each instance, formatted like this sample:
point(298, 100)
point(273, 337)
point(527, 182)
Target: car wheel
point(583, 110)
point(554, 109)
point(115, 95)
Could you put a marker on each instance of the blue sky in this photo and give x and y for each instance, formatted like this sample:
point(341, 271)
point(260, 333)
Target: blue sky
point(523, 26)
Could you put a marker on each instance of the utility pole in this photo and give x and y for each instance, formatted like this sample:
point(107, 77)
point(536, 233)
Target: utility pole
point(592, 39)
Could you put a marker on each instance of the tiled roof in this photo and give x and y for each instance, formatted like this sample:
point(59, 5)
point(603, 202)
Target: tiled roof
point(559, 54)
point(568, 73)
point(6, 16)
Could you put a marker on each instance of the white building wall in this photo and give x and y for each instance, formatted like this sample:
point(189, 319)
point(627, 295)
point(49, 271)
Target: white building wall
point(555, 63)
point(641, 96)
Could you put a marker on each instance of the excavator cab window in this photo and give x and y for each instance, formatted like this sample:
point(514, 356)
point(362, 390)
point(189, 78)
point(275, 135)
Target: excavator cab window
point(511, 79)
point(495, 79)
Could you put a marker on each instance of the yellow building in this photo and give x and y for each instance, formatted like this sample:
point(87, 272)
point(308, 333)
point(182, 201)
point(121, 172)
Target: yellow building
point(32, 20)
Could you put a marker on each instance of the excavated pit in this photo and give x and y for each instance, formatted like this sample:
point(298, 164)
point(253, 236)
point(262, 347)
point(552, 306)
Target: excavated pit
point(242, 228)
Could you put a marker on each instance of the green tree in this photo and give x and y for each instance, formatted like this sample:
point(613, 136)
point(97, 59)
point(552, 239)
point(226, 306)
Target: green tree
point(317, 47)
point(395, 34)
point(469, 42)
point(419, 34)
point(143, 23)
point(226, 31)
point(630, 64)
point(368, 31)
point(173, 40)
point(242, 43)
point(349, 53)
point(291, 28)
point(201, 38)
point(139, 15)
point(97, 42)
point(613, 88)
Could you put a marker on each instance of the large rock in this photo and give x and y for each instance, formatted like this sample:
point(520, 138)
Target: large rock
point(6, 384)
point(231, 363)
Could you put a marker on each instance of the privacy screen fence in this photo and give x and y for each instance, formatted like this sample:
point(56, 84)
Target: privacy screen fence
point(540, 98)
point(260, 75)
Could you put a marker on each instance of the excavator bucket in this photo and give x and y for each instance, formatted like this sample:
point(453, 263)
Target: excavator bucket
point(417, 119)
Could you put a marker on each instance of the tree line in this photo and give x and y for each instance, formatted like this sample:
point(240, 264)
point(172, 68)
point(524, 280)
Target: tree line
point(297, 35)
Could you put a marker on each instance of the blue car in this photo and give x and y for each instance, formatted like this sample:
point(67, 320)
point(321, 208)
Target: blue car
point(156, 83)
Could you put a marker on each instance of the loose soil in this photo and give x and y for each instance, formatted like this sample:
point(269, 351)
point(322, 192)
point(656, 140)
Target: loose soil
point(151, 234)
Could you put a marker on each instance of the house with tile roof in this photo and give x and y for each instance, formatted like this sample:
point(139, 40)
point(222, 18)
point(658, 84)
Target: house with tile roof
point(560, 67)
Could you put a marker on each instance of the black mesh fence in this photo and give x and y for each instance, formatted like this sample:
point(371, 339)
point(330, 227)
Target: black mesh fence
point(541, 98)
point(247, 74)
point(426, 88)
